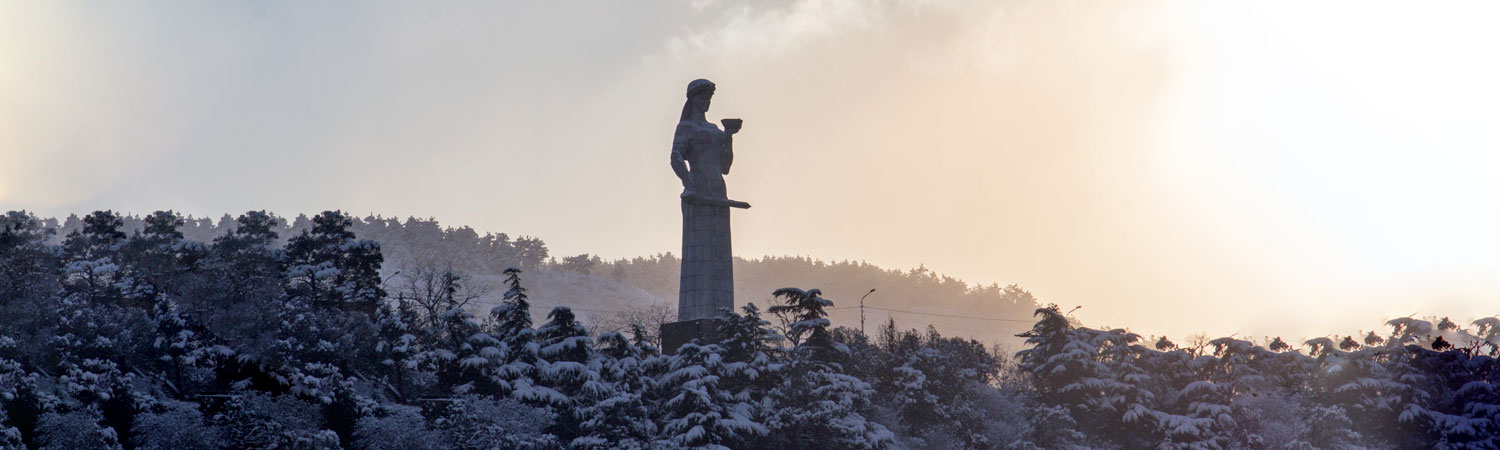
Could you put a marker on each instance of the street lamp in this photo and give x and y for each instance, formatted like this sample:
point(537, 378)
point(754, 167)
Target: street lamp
point(862, 311)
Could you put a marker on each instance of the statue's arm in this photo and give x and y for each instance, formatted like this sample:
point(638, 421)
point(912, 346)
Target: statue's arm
point(679, 161)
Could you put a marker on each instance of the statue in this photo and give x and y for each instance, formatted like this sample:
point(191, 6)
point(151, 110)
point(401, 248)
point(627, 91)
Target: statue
point(701, 156)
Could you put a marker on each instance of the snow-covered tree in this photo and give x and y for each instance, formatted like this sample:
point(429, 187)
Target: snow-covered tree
point(77, 430)
point(700, 413)
point(244, 263)
point(563, 378)
point(10, 436)
point(255, 420)
point(174, 426)
point(182, 348)
point(515, 371)
point(752, 359)
point(1060, 364)
point(482, 423)
point(28, 271)
point(155, 260)
point(818, 405)
point(398, 428)
point(92, 273)
point(617, 415)
point(401, 356)
point(330, 268)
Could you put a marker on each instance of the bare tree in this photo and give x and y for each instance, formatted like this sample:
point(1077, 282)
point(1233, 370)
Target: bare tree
point(644, 319)
point(432, 290)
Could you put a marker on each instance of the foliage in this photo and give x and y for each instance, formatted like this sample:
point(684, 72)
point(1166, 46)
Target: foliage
point(173, 332)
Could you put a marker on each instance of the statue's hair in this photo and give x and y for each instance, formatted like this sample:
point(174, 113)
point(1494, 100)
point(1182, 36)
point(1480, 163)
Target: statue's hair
point(694, 88)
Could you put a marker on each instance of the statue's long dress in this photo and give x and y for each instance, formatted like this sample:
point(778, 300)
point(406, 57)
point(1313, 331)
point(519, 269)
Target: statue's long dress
point(707, 262)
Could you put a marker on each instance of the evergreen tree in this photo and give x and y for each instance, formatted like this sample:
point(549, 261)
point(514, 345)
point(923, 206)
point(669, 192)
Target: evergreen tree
point(566, 382)
point(617, 416)
point(10, 437)
point(78, 430)
point(515, 373)
point(399, 352)
point(256, 420)
point(244, 264)
point(1060, 366)
point(183, 350)
point(155, 259)
point(752, 360)
point(27, 265)
point(481, 423)
point(818, 405)
point(699, 413)
point(92, 272)
point(328, 267)
point(174, 426)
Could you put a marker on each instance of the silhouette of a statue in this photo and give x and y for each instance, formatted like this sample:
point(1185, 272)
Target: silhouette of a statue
point(701, 156)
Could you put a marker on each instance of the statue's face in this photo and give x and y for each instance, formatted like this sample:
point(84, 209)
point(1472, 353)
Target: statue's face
point(702, 100)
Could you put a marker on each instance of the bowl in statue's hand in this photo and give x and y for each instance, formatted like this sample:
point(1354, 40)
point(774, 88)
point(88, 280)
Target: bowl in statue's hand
point(732, 124)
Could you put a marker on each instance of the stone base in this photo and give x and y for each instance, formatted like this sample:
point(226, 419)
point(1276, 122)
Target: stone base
point(674, 334)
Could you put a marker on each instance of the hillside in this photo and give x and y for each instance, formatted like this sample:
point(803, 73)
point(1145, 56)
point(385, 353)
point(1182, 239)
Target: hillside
point(607, 293)
point(116, 340)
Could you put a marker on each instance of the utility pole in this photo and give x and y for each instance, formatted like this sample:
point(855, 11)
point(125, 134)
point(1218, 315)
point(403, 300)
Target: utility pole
point(862, 311)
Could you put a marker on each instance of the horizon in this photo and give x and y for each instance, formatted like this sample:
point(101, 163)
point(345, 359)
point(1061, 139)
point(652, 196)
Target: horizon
point(1262, 170)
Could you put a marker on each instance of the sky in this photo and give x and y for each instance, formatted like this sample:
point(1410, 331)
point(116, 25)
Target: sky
point(1248, 168)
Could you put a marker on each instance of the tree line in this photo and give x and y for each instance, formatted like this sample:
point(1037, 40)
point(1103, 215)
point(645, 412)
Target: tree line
point(254, 339)
point(150, 340)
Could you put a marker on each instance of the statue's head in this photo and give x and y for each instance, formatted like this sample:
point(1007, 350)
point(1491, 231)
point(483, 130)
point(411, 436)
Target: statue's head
point(700, 93)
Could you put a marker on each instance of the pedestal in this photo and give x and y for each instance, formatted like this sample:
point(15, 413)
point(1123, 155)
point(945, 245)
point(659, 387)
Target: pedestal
point(674, 334)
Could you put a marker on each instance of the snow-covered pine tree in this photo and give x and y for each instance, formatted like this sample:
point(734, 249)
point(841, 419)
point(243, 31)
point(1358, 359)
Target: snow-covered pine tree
point(28, 270)
point(77, 430)
point(933, 384)
point(22, 400)
point(472, 422)
point(463, 353)
point(244, 263)
point(256, 420)
point(398, 427)
point(515, 373)
point(328, 267)
point(1203, 416)
point(399, 353)
point(184, 352)
point(156, 258)
point(1461, 412)
point(1478, 396)
point(1061, 366)
point(1356, 387)
point(174, 426)
point(565, 382)
point(818, 405)
point(618, 417)
point(1263, 410)
point(10, 436)
point(699, 413)
point(91, 273)
point(753, 361)
point(95, 333)
point(1125, 403)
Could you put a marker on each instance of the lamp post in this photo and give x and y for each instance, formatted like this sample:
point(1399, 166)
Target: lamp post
point(862, 311)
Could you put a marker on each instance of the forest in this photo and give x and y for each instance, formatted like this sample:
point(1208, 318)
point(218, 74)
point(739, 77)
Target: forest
point(253, 333)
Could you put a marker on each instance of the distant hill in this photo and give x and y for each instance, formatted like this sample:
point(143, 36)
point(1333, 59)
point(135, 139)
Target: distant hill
point(609, 293)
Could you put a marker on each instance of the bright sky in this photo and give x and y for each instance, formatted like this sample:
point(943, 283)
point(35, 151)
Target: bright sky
point(1260, 168)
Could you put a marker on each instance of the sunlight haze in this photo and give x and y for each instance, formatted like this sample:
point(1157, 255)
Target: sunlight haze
point(1172, 167)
